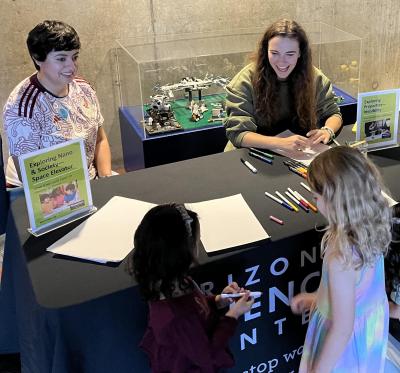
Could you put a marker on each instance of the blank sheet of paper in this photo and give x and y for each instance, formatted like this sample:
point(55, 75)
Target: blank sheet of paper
point(107, 236)
point(227, 222)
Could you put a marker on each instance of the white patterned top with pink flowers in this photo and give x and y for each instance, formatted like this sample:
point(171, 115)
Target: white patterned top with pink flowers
point(35, 119)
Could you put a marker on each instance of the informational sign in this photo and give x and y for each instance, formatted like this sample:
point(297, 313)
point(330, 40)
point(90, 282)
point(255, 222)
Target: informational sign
point(377, 118)
point(56, 185)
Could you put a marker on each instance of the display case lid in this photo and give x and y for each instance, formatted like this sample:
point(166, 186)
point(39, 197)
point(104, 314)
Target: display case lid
point(164, 47)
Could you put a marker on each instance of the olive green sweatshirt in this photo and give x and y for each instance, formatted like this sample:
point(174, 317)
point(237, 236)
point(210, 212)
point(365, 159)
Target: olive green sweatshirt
point(242, 116)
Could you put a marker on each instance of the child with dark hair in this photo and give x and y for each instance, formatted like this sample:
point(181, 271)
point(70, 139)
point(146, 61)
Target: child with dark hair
point(46, 203)
point(185, 332)
point(392, 266)
point(70, 193)
point(54, 105)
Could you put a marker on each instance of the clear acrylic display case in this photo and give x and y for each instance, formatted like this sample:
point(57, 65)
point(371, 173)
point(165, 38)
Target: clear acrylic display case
point(166, 71)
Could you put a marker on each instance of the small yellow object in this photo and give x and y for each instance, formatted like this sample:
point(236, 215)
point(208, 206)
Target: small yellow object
point(354, 63)
point(354, 128)
point(343, 67)
point(358, 143)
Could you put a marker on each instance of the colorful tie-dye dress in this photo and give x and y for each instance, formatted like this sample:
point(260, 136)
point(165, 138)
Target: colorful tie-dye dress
point(366, 349)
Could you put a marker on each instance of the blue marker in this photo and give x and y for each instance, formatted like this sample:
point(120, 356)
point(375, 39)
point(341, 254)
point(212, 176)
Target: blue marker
point(258, 156)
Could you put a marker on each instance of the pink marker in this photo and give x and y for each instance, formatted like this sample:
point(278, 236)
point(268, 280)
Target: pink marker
point(276, 220)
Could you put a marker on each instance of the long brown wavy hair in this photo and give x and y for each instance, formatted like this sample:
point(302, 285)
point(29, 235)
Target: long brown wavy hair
point(301, 79)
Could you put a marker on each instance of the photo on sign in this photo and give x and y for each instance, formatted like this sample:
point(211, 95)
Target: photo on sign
point(61, 198)
point(377, 129)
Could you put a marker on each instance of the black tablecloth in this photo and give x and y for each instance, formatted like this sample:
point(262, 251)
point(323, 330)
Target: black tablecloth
point(77, 316)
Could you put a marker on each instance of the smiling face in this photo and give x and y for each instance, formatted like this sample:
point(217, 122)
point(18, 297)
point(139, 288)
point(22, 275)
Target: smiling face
point(58, 70)
point(283, 53)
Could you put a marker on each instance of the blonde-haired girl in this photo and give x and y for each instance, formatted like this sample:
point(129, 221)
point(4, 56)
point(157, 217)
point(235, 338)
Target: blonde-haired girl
point(348, 325)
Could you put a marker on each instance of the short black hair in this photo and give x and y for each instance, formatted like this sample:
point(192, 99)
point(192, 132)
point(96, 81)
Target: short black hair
point(70, 187)
point(392, 259)
point(50, 36)
point(165, 248)
point(43, 197)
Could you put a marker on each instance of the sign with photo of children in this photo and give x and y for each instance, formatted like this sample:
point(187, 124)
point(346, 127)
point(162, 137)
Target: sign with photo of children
point(56, 185)
point(377, 118)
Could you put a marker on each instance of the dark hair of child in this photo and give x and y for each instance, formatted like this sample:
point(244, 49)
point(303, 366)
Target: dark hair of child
point(43, 197)
point(50, 36)
point(392, 259)
point(70, 187)
point(165, 248)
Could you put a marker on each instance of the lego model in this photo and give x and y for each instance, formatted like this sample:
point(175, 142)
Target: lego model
point(160, 118)
point(196, 113)
point(190, 84)
point(197, 110)
point(218, 112)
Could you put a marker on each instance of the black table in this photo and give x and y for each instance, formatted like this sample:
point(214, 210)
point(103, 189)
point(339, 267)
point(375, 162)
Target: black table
point(76, 316)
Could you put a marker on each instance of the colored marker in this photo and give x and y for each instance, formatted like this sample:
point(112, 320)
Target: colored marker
point(279, 201)
point(265, 154)
point(286, 200)
point(358, 143)
point(297, 202)
point(276, 220)
point(249, 166)
point(312, 207)
point(298, 166)
point(297, 196)
point(253, 294)
point(297, 172)
point(292, 162)
point(305, 186)
point(258, 156)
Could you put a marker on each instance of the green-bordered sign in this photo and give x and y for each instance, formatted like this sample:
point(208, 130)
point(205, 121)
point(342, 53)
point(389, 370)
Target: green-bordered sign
point(377, 118)
point(56, 185)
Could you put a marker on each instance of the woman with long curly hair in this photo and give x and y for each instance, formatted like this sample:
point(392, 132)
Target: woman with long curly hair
point(281, 90)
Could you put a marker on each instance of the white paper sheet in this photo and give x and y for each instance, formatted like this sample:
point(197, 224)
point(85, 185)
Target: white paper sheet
point(227, 222)
point(305, 156)
point(107, 236)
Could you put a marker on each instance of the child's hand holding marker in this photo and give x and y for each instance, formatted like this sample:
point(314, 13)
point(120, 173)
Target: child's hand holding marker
point(232, 292)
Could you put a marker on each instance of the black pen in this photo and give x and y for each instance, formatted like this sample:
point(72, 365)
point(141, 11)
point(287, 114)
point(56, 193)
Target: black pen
point(258, 156)
point(249, 166)
point(265, 154)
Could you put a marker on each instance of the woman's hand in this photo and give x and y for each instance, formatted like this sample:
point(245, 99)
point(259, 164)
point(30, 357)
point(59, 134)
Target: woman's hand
point(318, 135)
point(303, 302)
point(294, 142)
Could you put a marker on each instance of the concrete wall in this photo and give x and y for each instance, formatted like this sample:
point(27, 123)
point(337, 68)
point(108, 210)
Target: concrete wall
point(100, 22)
